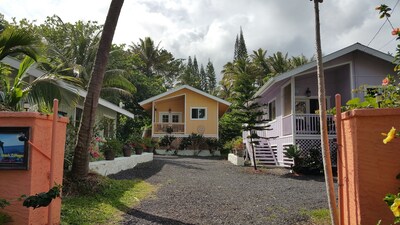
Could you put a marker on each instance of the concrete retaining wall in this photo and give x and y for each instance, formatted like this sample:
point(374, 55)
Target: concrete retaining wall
point(107, 167)
point(237, 160)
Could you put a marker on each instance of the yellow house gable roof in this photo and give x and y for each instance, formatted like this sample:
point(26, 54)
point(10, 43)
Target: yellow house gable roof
point(150, 100)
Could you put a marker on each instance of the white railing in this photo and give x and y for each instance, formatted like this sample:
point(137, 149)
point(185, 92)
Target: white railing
point(310, 124)
point(163, 128)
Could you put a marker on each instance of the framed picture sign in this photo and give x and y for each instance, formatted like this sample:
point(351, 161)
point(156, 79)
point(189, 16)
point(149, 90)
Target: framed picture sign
point(14, 148)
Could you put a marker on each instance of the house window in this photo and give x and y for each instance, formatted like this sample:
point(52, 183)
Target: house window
point(198, 113)
point(175, 118)
point(287, 100)
point(271, 110)
point(165, 118)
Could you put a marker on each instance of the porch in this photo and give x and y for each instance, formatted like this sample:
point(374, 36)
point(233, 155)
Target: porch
point(306, 124)
point(166, 128)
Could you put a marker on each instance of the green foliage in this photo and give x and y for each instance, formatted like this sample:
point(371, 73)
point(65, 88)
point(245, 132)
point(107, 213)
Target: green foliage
point(186, 141)
point(42, 199)
point(70, 144)
point(17, 41)
point(5, 218)
point(196, 140)
point(213, 143)
point(106, 203)
point(292, 152)
point(3, 203)
point(111, 145)
point(166, 141)
point(235, 146)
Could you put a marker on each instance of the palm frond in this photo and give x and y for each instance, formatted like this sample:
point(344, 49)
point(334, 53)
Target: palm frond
point(14, 41)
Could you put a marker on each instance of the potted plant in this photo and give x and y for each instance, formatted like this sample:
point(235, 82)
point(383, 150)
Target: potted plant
point(127, 149)
point(238, 147)
point(110, 147)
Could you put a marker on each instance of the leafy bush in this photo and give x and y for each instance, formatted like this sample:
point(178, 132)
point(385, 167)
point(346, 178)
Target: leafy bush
point(166, 141)
point(186, 141)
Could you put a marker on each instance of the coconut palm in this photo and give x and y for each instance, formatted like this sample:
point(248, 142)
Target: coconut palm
point(72, 48)
point(80, 164)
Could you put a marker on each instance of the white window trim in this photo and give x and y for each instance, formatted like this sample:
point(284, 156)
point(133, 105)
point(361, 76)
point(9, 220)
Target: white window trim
point(205, 108)
point(170, 114)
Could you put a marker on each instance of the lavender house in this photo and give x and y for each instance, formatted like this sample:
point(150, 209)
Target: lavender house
point(291, 99)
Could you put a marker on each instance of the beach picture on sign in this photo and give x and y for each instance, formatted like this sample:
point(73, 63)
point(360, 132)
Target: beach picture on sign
point(13, 147)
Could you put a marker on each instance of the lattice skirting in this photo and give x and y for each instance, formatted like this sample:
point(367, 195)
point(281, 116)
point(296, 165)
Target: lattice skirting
point(305, 145)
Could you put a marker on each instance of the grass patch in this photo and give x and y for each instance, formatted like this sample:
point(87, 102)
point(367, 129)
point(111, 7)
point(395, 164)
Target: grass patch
point(105, 205)
point(318, 216)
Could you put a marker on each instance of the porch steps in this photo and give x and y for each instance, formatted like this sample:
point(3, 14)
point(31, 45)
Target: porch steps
point(265, 156)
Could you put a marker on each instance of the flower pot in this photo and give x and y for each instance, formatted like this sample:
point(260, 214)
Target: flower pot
point(109, 155)
point(127, 151)
point(138, 151)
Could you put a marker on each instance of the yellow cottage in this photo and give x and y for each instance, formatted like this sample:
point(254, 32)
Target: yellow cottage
point(185, 110)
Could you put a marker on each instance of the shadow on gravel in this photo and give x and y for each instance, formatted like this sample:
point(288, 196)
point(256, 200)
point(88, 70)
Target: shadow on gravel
point(155, 219)
point(318, 178)
point(147, 170)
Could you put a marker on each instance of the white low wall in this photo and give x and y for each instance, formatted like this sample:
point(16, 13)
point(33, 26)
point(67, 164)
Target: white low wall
point(203, 153)
point(237, 160)
point(107, 167)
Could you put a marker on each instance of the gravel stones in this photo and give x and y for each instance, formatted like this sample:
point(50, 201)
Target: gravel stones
point(211, 191)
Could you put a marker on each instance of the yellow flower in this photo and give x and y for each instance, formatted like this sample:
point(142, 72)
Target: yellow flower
point(395, 207)
point(389, 136)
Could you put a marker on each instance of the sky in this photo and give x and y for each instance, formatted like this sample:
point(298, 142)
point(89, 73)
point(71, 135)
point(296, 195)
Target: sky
point(207, 29)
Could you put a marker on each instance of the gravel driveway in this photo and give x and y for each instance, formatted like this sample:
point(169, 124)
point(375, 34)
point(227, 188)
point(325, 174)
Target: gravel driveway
point(210, 191)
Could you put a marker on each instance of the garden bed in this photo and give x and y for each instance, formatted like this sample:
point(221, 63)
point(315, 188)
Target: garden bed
point(107, 167)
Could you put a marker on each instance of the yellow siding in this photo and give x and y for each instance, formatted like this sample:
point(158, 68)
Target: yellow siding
point(192, 99)
point(175, 104)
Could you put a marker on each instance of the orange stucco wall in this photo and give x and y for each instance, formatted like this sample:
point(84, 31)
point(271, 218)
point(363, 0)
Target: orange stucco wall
point(369, 166)
point(186, 101)
point(14, 183)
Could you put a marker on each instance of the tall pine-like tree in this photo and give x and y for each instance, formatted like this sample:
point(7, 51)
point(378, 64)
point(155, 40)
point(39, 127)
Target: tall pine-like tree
point(235, 53)
point(203, 79)
point(211, 78)
point(242, 50)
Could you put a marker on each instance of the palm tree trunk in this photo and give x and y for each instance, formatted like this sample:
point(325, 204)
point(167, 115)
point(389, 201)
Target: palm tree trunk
point(326, 156)
point(80, 164)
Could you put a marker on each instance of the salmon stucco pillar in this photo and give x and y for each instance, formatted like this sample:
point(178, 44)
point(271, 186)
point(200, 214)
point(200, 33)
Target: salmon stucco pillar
point(36, 179)
point(369, 167)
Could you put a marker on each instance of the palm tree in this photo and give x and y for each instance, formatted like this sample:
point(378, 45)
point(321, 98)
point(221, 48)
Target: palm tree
point(323, 125)
point(260, 60)
point(279, 63)
point(40, 91)
point(80, 164)
point(150, 54)
point(156, 62)
point(72, 50)
point(17, 41)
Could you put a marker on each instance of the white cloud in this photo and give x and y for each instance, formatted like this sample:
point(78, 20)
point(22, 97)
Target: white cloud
point(208, 28)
